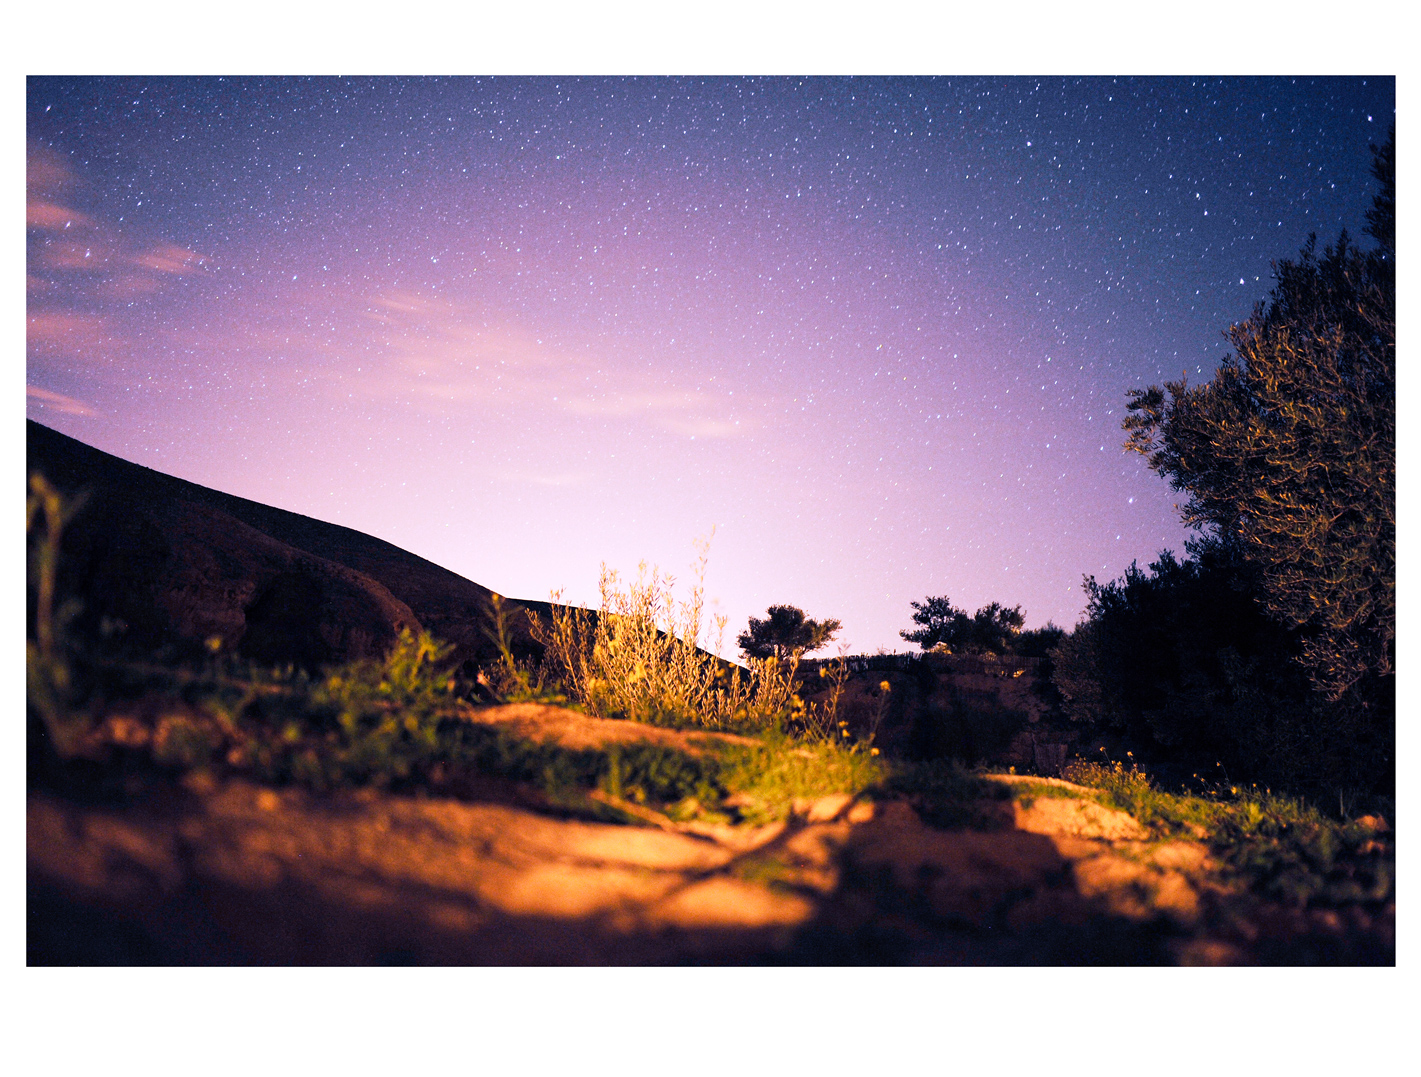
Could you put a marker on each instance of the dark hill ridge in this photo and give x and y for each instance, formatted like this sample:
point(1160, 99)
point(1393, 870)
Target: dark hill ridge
point(179, 563)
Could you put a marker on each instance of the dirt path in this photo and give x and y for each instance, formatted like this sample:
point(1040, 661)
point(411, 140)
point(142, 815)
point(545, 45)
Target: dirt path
point(242, 874)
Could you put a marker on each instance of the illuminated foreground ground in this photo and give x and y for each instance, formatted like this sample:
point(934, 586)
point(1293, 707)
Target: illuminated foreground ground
point(238, 874)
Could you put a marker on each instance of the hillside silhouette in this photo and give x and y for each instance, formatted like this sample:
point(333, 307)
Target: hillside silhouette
point(177, 564)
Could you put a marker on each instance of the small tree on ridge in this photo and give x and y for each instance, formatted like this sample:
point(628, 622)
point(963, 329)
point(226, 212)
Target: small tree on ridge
point(784, 633)
point(992, 628)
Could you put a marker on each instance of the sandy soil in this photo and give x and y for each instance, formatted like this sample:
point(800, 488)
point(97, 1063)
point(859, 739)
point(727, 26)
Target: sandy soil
point(542, 723)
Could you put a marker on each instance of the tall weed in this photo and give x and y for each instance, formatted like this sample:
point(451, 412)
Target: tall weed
point(512, 681)
point(639, 657)
point(49, 674)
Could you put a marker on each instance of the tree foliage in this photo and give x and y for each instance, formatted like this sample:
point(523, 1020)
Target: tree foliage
point(785, 632)
point(1152, 654)
point(992, 628)
point(1290, 449)
point(1184, 661)
point(1038, 642)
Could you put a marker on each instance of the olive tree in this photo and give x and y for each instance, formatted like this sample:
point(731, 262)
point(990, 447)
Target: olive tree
point(1290, 449)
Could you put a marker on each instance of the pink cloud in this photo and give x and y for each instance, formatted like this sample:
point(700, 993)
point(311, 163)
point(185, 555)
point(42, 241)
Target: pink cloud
point(449, 355)
point(69, 240)
point(169, 258)
point(47, 171)
point(53, 217)
point(129, 285)
point(75, 332)
point(407, 303)
point(77, 253)
point(59, 402)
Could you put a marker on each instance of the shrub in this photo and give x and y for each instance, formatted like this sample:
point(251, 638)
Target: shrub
point(510, 680)
point(992, 629)
point(638, 656)
point(1184, 660)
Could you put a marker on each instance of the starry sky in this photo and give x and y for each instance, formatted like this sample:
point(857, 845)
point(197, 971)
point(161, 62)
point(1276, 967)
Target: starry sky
point(876, 332)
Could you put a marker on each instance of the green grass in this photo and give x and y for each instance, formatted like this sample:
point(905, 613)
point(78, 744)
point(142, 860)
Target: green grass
point(766, 779)
point(946, 794)
point(401, 722)
point(1282, 847)
point(398, 724)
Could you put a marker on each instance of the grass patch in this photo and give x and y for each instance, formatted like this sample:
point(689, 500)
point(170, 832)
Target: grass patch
point(1282, 847)
point(398, 724)
point(766, 779)
point(1039, 789)
point(1027, 793)
point(946, 794)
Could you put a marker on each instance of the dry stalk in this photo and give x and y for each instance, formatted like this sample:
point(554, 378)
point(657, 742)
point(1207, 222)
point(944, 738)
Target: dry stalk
point(639, 656)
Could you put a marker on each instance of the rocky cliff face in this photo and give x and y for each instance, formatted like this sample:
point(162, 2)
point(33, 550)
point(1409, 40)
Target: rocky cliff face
point(174, 565)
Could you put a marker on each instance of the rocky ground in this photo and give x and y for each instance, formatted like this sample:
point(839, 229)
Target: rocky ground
point(234, 873)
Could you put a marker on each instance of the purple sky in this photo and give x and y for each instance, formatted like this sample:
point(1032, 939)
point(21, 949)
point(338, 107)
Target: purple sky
point(877, 332)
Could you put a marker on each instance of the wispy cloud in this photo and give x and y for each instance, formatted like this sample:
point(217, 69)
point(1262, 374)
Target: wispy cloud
point(448, 354)
point(169, 258)
point(53, 217)
point(64, 240)
point(58, 254)
point(60, 330)
point(84, 274)
point(59, 402)
point(633, 402)
point(679, 411)
point(47, 171)
point(704, 427)
point(526, 477)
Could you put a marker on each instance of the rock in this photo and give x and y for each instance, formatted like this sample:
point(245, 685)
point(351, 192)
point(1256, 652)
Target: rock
point(1049, 758)
point(821, 809)
point(235, 873)
point(1068, 817)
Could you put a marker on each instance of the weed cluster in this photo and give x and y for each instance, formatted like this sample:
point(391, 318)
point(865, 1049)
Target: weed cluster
point(767, 778)
point(370, 721)
point(639, 657)
point(1283, 847)
point(824, 715)
point(398, 724)
point(48, 669)
point(395, 723)
point(402, 721)
point(510, 680)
